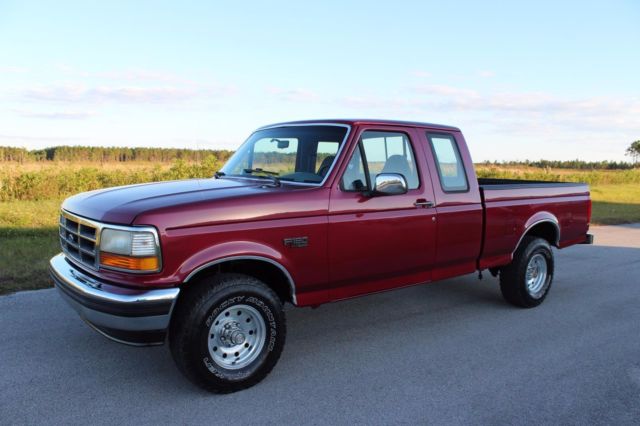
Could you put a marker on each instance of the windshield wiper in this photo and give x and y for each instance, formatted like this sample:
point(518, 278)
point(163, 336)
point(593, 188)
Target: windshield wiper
point(259, 170)
point(269, 175)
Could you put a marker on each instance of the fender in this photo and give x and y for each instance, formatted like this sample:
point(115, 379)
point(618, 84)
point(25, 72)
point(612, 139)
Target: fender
point(536, 219)
point(235, 250)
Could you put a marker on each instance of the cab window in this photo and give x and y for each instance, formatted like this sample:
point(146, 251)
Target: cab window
point(453, 177)
point(380, 152)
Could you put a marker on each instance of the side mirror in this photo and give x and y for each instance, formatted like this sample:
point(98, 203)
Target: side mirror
point(390, 184)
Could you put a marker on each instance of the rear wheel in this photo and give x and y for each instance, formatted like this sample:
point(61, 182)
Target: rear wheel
point(526, 281)
point(227, 332)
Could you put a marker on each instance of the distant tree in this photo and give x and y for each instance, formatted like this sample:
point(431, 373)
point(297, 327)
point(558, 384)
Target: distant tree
point(634, 151)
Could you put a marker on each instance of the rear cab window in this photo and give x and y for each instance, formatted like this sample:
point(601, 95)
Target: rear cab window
point(451, 172)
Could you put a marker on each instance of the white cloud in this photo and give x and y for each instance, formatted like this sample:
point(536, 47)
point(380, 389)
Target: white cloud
point(513, 124)
point(514, 111)
point(10, 69)
point(421, 74)
point(74, 93)
point(136, 75)
point(593, 113)
point(31, 139)
point(486, 74)
point(55, 115)
point(294, 95)
point(365, 101)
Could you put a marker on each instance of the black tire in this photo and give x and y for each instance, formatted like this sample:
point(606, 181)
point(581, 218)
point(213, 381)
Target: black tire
point(513, 281)
point(202, 303)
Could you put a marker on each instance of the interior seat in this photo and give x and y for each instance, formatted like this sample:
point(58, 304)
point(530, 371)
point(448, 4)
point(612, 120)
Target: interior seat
point(399, 164)
point(325, 165)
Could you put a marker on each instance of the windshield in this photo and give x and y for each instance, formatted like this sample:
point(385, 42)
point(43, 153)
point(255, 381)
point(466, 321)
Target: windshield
point(302, 154)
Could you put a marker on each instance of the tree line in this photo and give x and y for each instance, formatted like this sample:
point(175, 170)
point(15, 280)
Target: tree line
point(108, 154)
point(168, 155)
point(565, 164)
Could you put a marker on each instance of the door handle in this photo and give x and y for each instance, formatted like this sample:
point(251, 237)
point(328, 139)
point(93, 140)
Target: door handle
point(424, 203)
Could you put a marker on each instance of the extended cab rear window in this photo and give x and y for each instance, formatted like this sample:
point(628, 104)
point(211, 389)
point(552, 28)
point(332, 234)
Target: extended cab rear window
point(453, 177)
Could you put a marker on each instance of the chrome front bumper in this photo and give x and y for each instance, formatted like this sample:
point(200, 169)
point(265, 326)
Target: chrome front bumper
point(131, 316)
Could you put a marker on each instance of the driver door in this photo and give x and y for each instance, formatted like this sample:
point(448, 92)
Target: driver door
point(380, 242)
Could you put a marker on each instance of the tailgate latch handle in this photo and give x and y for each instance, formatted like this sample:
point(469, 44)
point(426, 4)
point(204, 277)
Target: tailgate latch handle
point(421, 202)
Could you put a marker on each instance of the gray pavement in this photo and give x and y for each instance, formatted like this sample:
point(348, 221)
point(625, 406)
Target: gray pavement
point(446, 353)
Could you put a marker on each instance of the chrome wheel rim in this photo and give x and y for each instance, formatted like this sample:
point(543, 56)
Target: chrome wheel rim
point(237, 337)
point(536, 276)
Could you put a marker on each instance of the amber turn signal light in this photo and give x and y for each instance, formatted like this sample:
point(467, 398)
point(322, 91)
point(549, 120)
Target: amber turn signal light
point(128, 262)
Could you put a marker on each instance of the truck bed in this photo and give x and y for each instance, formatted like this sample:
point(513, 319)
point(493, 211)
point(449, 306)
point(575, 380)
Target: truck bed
point(492, 183)
point(512, 206)
point(515, 189)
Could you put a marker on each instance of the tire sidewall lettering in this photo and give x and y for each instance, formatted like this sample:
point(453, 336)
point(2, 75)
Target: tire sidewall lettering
point(221, 307)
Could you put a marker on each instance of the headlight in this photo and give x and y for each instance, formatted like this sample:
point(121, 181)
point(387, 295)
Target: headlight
point(130, 250)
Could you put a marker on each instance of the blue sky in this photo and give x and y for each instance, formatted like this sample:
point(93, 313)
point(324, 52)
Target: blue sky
point(524, 80)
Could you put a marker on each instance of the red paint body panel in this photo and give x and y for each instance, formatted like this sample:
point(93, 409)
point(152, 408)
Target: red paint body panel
point(458, 215)
point(357, 244)
point(378, 242)
point(509, 216)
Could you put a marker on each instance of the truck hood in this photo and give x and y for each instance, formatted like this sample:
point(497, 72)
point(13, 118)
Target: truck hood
point(121, 205)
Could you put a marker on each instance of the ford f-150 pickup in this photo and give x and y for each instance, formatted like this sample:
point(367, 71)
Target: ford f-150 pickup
point(303, 213)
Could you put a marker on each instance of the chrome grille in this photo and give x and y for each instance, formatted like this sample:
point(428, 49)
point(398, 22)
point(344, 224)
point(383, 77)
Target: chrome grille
point(78, 239)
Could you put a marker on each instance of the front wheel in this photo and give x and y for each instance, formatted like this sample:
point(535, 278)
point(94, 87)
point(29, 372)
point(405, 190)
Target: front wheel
point(526, 281)
point(228, 332)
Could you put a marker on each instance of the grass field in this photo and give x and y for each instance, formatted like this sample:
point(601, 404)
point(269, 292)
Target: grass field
point(29, 209)
point(616, 204)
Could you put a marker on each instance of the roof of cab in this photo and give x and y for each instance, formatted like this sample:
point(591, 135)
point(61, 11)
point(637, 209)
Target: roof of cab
point(368, 121)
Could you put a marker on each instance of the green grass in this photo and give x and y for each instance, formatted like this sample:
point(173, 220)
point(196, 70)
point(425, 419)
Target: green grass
point(28, 239)
point(25, 253)
point(616, 204)
point(35, 182)
point(17, 215)
point(28, 233)
point(592, 177)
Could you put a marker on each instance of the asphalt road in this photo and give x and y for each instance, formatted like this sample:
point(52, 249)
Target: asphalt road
point(447, 353)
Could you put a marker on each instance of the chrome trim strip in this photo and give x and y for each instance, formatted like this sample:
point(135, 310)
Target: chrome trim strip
point(81, 222)
point(335, 161)
point(99, 227)
point(291, 283)
point(555, 223)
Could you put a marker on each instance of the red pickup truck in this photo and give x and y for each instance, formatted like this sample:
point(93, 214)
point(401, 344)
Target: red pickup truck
point(303, 213)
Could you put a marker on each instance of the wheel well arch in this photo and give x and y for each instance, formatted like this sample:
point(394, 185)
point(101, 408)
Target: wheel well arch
point(272, 273)
point(547, 229)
